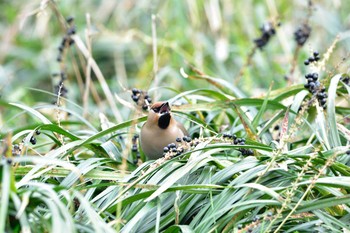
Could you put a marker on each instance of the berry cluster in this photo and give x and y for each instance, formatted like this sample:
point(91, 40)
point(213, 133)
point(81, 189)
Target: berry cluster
point(33, 139)
point(67, 40)
point(134, 148)
point(185, 139)
point(322, 98)
point(312, 82)
point(172, 147)
point(238, 141)
point(302, 34)
point(313, 85)
point(141, 98)
point(178, 149)
point(314, 58)
point(267, 31)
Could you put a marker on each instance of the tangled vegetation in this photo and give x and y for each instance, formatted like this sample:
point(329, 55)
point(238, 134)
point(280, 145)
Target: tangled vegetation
point(261, 86)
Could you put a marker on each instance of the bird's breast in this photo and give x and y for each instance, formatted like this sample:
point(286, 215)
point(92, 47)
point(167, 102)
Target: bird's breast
point(153, 140)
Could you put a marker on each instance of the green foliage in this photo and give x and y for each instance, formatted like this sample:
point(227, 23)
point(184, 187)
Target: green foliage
point(67, 162)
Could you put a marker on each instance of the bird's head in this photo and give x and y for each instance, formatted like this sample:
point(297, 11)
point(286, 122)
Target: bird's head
point(160, 115)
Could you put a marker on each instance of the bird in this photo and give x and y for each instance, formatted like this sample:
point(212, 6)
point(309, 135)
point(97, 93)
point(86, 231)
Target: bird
point(160, 130)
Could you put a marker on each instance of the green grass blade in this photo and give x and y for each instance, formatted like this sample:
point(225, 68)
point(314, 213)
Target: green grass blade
point(332, 121)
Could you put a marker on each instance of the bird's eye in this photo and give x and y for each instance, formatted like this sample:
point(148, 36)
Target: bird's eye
point(156, 109)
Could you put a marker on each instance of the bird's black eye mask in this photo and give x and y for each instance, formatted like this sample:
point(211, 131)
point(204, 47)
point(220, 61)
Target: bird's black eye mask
point(164, 120)
point(156, 110)
point(164, 108)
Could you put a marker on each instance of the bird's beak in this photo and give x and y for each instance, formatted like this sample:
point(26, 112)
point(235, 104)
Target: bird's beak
point(165, 108)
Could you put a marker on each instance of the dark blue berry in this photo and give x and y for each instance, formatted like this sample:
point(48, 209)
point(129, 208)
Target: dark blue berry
point(135, 91)
point(70, 19)
point(9, 161)
point(312, 85)
point(33, 140)
point(134, 148)
point(71, 30)
point(135, 98)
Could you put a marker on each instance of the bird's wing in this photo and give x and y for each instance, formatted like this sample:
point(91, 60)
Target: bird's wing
point(182, 128)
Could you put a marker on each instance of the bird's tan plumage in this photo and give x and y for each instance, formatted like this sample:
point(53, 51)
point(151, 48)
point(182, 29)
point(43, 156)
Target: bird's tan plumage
point(160, 130)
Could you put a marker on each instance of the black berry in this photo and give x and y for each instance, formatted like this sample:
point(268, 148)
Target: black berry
point(134, 148)
point(71, 30)
point(267, 31)
point(33, 140)
point(135, 98)
point(135, 91)
point(302, 34)
point(70, 19)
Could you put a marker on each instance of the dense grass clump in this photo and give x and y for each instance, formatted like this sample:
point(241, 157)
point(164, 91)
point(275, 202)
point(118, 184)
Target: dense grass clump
point(262, 87)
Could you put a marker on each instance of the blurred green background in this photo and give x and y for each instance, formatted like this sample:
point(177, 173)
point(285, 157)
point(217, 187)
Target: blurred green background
point(152, 45)
point(214, 36)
